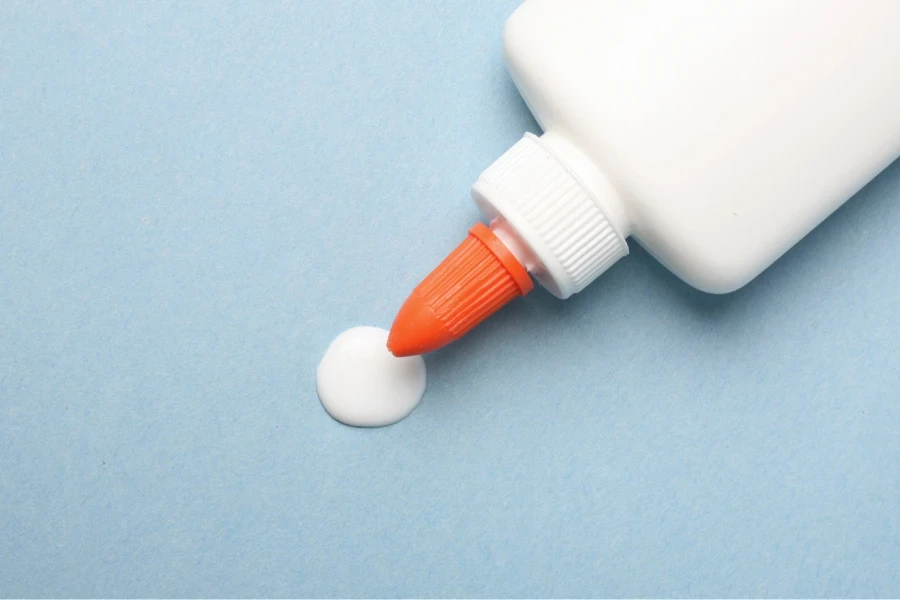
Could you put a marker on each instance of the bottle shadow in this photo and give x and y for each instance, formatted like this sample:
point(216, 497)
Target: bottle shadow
point(640, 273)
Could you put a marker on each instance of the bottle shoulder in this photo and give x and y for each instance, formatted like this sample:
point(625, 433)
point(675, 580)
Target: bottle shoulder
point(676, 103)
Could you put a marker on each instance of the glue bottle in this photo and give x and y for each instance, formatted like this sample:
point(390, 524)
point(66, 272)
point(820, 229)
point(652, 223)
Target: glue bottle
point(714, 134)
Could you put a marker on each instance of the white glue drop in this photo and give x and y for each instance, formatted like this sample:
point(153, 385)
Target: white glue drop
point(361, 383)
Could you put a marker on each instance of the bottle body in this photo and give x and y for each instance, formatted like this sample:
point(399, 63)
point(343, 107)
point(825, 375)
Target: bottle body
point(725, 131)
point(715, 133)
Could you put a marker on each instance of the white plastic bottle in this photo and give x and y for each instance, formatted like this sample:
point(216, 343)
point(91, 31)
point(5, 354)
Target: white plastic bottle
point(715, 133)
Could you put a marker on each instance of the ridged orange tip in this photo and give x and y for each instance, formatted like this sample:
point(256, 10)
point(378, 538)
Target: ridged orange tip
point(471, 284)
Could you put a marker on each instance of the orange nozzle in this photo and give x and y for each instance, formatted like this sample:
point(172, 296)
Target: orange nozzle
point(471, 284)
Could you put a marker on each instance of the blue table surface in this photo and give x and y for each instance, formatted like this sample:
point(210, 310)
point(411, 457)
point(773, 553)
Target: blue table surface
point(195, 198)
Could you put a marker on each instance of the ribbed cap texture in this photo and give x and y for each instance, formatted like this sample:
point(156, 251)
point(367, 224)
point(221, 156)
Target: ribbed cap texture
point(559, 218)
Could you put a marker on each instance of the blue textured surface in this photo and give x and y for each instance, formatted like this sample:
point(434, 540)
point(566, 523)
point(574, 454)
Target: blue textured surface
point(195, 199)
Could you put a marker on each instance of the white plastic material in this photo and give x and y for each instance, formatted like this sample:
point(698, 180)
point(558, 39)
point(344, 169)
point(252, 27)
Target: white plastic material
point(563, 220)
point(717, 134)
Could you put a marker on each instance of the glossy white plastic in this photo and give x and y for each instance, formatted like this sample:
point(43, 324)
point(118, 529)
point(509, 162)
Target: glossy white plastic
point(716, 134)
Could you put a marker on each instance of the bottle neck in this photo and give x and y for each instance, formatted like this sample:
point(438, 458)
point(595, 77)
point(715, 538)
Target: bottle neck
point(519, 249)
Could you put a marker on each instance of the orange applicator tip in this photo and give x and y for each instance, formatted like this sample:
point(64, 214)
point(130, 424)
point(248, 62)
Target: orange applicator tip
point(471, 284)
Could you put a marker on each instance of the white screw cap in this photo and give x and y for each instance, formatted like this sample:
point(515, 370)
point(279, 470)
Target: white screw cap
point(561, 220)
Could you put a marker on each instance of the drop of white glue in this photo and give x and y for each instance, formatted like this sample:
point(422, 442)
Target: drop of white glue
point(361, 383)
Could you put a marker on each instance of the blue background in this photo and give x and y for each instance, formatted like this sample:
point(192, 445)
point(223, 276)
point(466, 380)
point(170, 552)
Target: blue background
point(195, 199)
